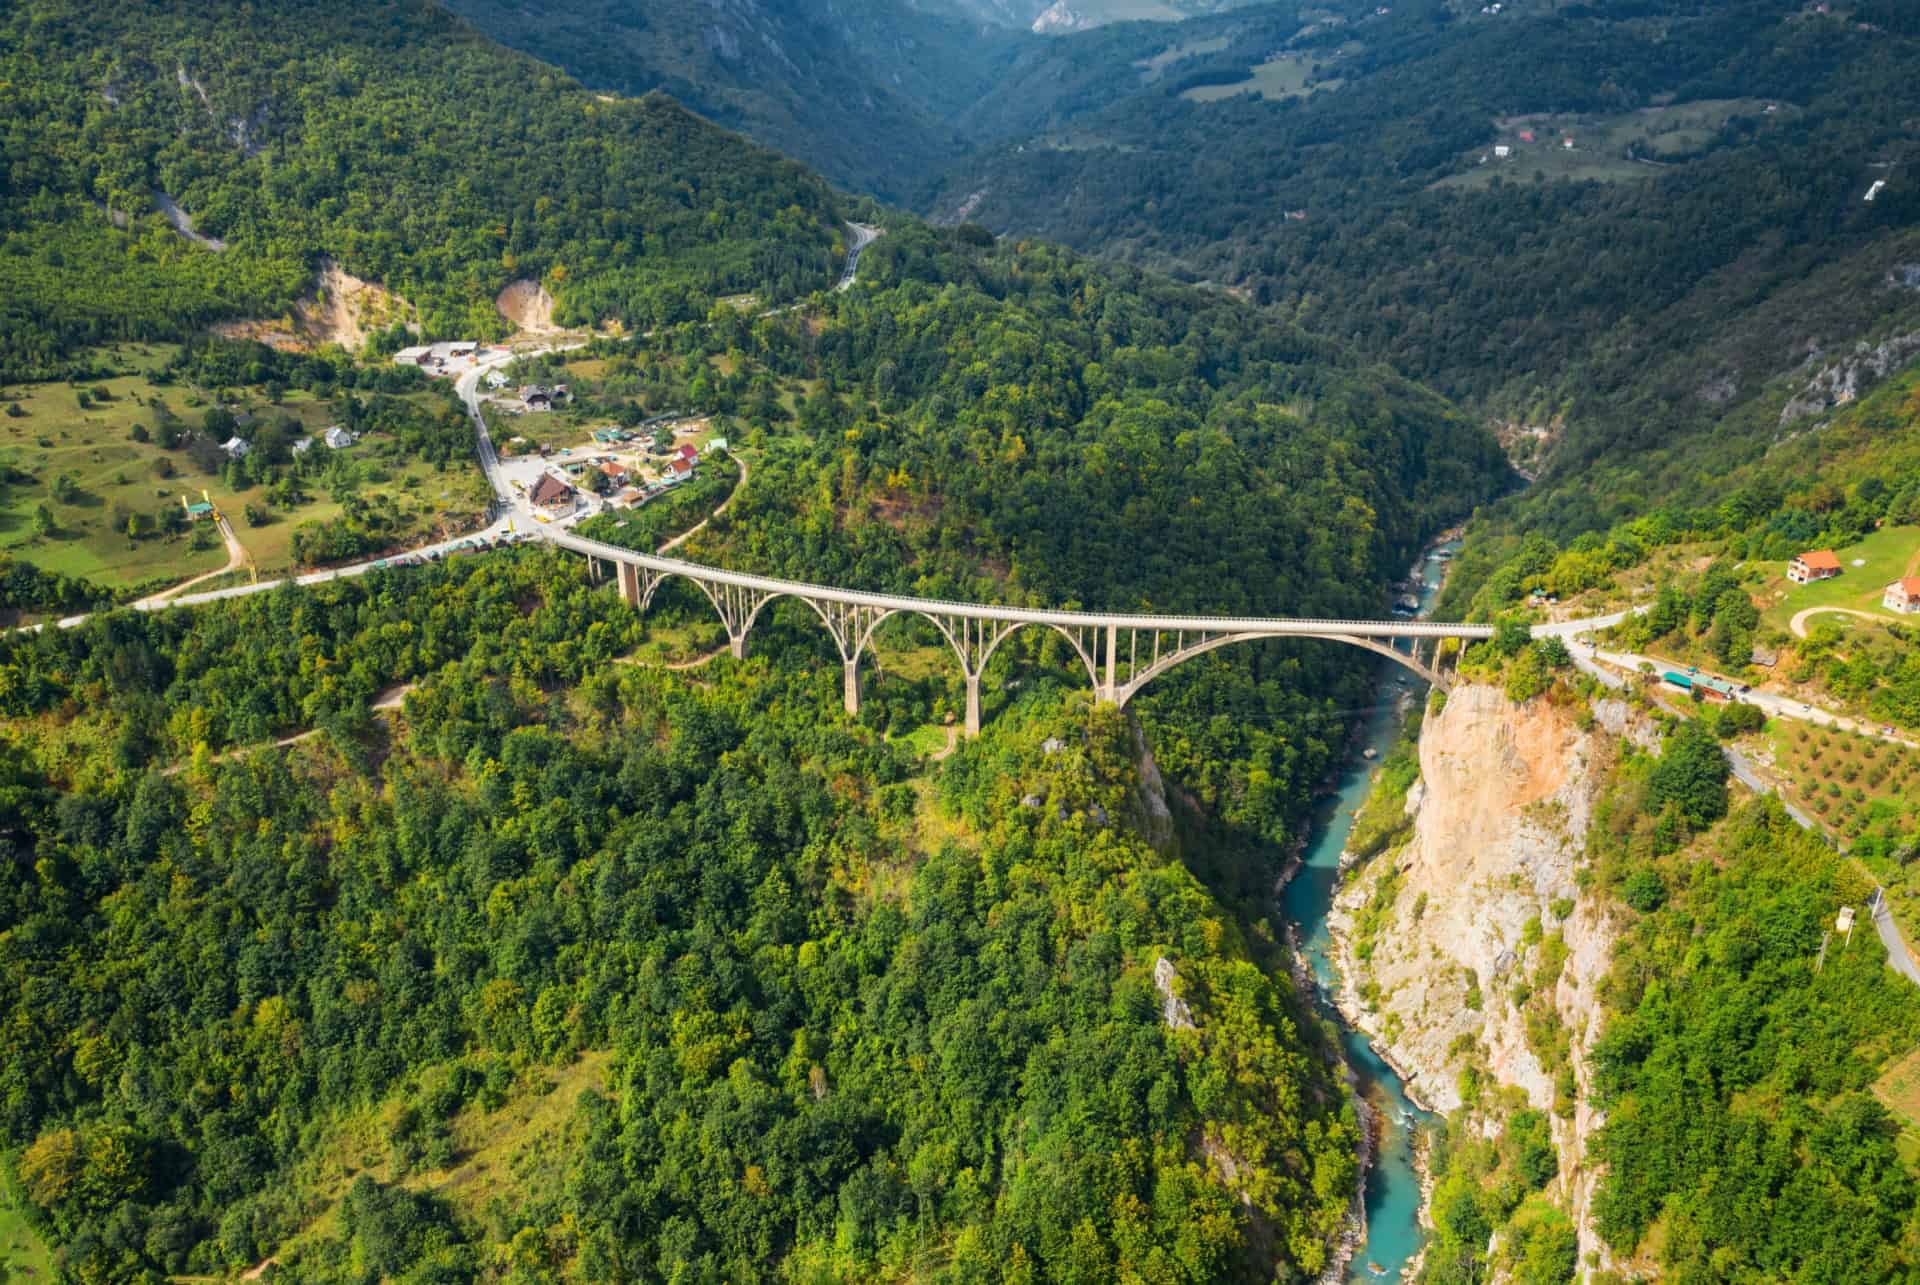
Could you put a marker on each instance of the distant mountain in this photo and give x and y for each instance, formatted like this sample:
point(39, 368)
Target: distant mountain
point(1611, 230)
point(861, 92)
point(1058, 17)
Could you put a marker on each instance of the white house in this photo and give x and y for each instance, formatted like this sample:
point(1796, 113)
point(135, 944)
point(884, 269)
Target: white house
point(1903, 596)
point(338, 437)
point(1501, 151)
point(304, 445)
point(236, 448)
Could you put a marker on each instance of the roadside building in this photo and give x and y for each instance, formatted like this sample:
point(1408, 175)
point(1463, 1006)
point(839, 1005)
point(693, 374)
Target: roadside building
point(1819, 564)
point(677, 472)
point(687, 451)
point(197, 510)
point(414, 356)
point(1903, 596)
point(1501, 151)
point(551, 496)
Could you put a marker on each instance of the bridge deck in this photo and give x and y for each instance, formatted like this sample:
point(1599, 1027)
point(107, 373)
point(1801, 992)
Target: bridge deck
point(1279, 626)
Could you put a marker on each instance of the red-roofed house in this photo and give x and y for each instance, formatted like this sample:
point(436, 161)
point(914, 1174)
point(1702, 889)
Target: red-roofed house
point(678, 471)
point(1903, 596)
point(1820, 564)
point(688, 451)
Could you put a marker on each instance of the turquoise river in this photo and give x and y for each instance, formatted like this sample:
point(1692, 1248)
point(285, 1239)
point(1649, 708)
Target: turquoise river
point(1394, 1235)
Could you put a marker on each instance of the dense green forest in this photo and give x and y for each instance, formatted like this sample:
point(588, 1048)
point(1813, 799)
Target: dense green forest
point(390, 137)
point(210, 970)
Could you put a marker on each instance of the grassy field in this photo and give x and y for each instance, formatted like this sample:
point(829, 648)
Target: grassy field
point(115, 476)
point(1151, 68)
point(1664, 135)
point(23, 1255)
point(1899, 1091)
point(926, 740)
point(1281, 77)
point(1885, 556)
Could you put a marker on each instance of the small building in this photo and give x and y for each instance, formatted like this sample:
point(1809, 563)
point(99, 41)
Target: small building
point(1526, 136)
point(337, 438)
point(687, 451)
point(1501, 151)
point(677, 472)
point(198, 509)
point(1874, 191)
point(1819, 564)
point(414, 356)
point(716, 444)
point(1903, 596)
point(536, 397)
point(615, 470)
point(237, 448)
point(551, 495)
point(496, 379)
point(304, 445)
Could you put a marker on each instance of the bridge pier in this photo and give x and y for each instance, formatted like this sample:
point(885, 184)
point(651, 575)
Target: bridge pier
point(629, 576)
point(850, 685)
point(973, 705)
point(737, 644)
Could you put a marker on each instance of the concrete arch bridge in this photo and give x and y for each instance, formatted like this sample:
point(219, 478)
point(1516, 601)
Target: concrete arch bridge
point(1121, 652)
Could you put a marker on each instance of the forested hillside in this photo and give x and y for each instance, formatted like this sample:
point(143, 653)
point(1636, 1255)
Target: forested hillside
point(389, 137)
point(1649, 284)
point(837, 1044)
point(862, 93)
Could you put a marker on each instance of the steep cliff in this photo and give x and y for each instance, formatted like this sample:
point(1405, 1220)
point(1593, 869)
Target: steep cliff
point(1469, 954)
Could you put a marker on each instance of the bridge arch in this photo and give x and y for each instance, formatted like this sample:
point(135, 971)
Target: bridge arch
point(1122, 693)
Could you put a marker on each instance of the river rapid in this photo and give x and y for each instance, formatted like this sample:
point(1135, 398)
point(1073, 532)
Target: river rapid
point(1394, 1237)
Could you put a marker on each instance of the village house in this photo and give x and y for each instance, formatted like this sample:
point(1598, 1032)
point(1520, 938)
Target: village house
point(551, 495)
point(304, 445)
point(535, 397)
point(686, 451)
point(1820, 564)
point(1903, 596)
point(615, 469)
point(678, 471)
point(337, 438)
point(237, 448)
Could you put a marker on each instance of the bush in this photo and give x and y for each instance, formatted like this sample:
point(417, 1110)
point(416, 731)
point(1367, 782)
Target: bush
point(1645, 891)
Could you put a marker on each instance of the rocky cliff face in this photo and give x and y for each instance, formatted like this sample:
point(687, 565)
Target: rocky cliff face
point(1467, 944)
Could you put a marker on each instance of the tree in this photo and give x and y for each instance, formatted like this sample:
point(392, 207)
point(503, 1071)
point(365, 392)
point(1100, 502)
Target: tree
point(44, 525)
point(1690, 776)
